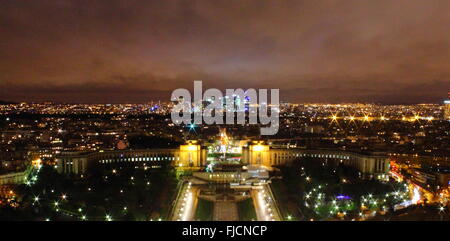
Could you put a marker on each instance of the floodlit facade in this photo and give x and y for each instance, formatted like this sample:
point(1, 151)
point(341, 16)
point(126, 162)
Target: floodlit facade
point(447, 110)
point(193, 156)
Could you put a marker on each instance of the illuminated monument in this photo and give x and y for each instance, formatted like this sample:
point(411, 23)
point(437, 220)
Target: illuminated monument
point(226, 154)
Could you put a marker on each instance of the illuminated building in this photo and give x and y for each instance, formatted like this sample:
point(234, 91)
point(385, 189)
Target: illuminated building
point(15, 177)
point(447, 110)
point(437, 177)
point(195, 156)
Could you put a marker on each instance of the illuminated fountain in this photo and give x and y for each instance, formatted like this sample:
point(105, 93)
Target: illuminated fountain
point(225, 151)
point(233, 174)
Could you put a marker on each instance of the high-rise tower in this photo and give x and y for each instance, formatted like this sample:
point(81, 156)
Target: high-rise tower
point(447, 108)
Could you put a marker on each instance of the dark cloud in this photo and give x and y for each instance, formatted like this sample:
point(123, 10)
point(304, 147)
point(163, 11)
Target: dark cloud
point(135, 51)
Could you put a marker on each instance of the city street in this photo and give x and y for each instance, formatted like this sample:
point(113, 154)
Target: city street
point(265, 206)
point(185, 204)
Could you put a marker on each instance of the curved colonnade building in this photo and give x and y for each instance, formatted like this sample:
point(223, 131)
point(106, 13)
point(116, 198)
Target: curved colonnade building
point(194, 157)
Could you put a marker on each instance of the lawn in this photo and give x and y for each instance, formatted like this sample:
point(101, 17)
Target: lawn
point(204, 211)
point(246, 210)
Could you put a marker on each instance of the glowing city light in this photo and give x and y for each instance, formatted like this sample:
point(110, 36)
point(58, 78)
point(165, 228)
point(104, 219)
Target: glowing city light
point(416, 195)
point(188, 202)
point(258, 148)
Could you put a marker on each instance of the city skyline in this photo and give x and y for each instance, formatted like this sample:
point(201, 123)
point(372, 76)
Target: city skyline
point(314, 52)
point(224, 110)
point(439, 101)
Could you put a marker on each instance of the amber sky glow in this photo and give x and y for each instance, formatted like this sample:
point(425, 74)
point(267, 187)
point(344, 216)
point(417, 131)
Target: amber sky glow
point(395, 51)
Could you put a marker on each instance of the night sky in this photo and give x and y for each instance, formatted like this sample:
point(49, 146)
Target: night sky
point(314, 51)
